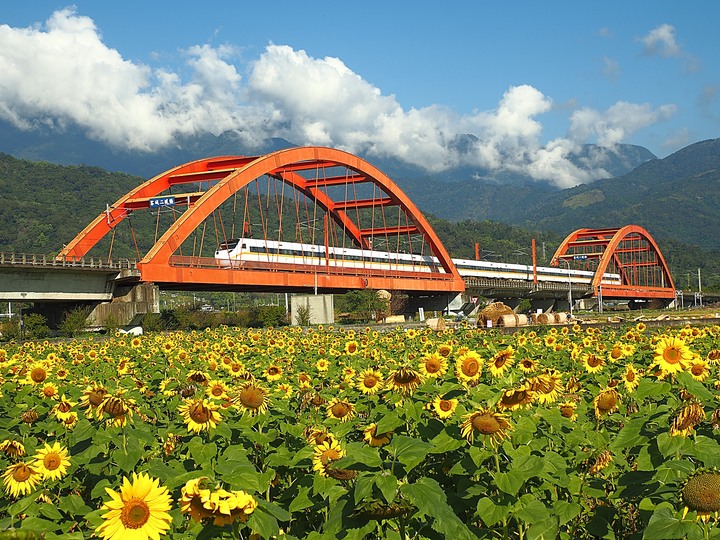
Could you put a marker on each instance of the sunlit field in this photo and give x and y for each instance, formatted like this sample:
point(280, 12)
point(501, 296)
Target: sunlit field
point(568, 432)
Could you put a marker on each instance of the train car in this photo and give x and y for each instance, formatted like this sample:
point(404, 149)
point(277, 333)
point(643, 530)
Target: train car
point(238, 250)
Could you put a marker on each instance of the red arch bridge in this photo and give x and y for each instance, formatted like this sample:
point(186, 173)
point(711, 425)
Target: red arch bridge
point(318, 219)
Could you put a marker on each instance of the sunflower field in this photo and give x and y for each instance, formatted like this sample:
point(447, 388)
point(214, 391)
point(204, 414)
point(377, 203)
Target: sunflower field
point(323, 433)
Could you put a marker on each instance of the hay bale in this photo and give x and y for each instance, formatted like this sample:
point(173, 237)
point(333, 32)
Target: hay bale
point(436, 324)
point(493, 313)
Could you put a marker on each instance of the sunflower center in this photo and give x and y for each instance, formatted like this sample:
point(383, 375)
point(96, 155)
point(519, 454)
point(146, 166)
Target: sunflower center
point(134, 514)
point(252, 397)
point(21, 473)
point(594, 361)
point(370, 381)
point(96, 397)
point(445, 405)
point(672, 355)
point(38, 375)
point(630, 376)
point(272, 370)
point(199, 413)
point(702, 492)
point(616, 353)
point(606, 402)
point(52, 461)
point(486, 424)
point(329, 455)
point(567, 411)
point(339, 410)
point(64, 406)
point(405, 377)
point(697, 369)
point(217, 391)
point(470, 367)
point(352, 348)
point(432, 366)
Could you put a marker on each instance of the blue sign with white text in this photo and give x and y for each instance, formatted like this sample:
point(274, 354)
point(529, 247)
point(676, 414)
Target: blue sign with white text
point(162, 201)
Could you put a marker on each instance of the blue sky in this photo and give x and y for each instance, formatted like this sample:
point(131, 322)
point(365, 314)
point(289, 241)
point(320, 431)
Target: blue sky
point(532, 80)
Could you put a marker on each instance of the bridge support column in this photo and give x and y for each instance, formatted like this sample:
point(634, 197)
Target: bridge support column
point(127, 303)
point(543, 304)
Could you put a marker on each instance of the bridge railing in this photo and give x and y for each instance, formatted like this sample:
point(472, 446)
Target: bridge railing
point(36, 260)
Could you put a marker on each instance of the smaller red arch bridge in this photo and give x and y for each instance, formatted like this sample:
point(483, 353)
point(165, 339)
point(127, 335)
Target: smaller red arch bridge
point(305, 196)
point(629, 251)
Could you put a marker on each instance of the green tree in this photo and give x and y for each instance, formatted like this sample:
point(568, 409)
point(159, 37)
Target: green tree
point(361, 305)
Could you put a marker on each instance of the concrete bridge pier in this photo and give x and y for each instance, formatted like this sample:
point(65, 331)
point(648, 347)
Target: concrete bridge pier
point(128, 302)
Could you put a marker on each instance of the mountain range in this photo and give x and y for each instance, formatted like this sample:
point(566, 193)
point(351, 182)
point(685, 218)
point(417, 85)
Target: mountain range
point(676, 198)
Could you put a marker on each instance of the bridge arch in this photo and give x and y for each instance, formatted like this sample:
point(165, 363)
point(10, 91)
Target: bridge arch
point(629, 251)
point(311, 171)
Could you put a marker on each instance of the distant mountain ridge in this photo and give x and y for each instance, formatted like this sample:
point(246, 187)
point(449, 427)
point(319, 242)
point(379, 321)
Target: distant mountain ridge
point(674, 198)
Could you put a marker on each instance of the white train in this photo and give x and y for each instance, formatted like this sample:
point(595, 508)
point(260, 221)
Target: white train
point(239, 250)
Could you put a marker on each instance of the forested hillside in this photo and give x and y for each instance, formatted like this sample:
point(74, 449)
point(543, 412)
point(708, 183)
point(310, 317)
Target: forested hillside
point(44, 206)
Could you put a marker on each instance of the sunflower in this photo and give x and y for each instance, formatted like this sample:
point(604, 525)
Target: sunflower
point(216, 389)
point(444, 408)
point(444, 349)
point(701, 494)
point(118, 407)
point(567, 410)
point(405, 380)
point(527, 365)
point(37, 373)
point(685, 421)
point(373, 438)
point(252, 398)
point(324, 455)
point(12, 448)
point(671, 355)
point(501, 361)
point(351, 348)
point(200, 414)
point(593, 362)
point(433, 365)
point(546, 388)
point(49, 390)
point(468, 367)
point(20, 479)
point(699, 369)
point(323, 364)
point(273, 373)
point(713, 356)
point(616, 353)
point(52, 461)
point(606, 402)
point(228, 506)
point(340, 409)
point(631, 378)
point(370, 381)
point(193, 495)
point(92, 398)
point(493, 426)
point(515, 398)
point(138, 512)
point(601, 462)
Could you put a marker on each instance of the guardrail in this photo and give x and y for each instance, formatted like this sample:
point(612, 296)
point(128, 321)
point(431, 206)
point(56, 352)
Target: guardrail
point(34, 260)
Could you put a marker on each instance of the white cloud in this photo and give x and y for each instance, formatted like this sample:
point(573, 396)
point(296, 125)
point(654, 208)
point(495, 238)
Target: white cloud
point(660, 41)
point(614, 125)
point(63, 73)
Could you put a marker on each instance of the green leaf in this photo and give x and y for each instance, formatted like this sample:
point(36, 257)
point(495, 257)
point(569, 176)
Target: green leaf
point(301, 500)
point(263, 522)
point(544, 530)
point(390, 422)
point(706, 450)
point(510, 482)
point(566, 511)
point(427, 495)
point(444, 442)
point(409, 451)
point(73, 504)
point(51, 512)
point(127, 461)
point(491, 513)
point(363, 487)
point(629, 435)
point(530, 509)
point(663, 525)
point(388, 486)
point(360, 453)
point(240, 475)
point(200, 451)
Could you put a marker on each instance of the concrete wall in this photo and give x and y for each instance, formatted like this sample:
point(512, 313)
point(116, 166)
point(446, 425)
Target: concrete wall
point(322, 308)
point(128, 302)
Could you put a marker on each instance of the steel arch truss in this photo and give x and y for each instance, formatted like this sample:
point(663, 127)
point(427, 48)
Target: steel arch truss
point(311, 171)
point(629, 251)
